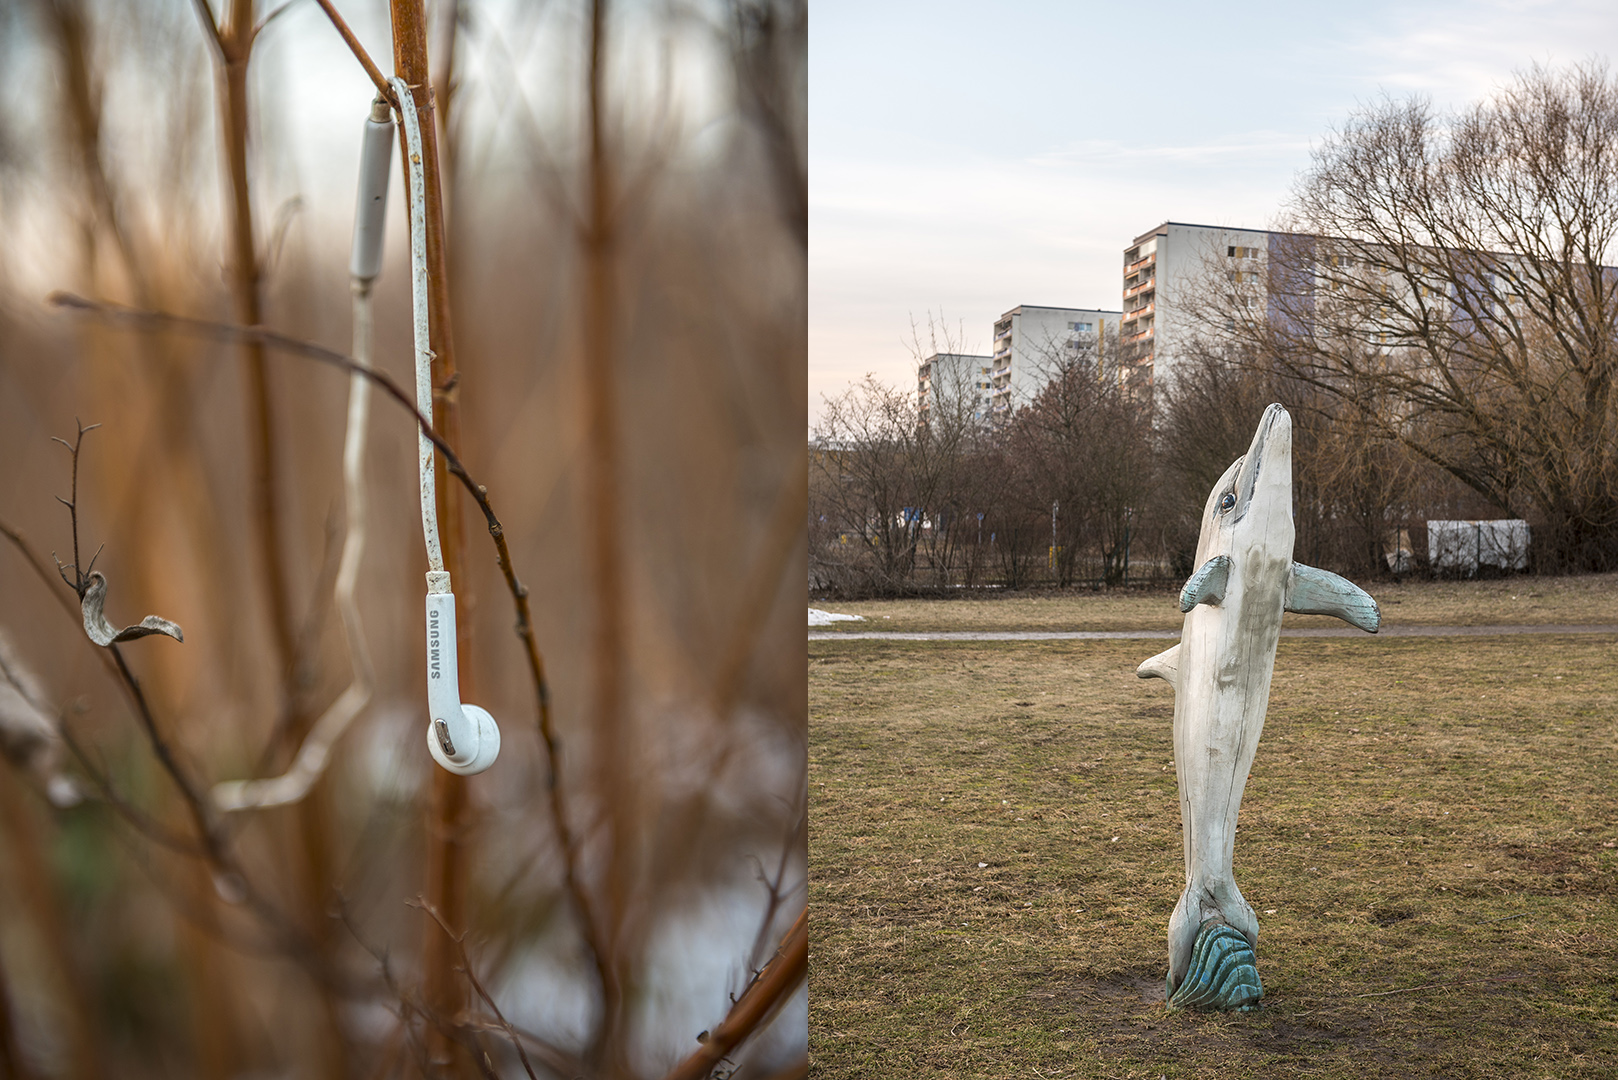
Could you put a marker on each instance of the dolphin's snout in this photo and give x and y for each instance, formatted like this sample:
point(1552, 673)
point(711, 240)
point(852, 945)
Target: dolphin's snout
point(1274, 435)
point(1269, 458)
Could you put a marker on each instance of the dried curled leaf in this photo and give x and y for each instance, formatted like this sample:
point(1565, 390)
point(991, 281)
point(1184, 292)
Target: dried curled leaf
point(101, 631)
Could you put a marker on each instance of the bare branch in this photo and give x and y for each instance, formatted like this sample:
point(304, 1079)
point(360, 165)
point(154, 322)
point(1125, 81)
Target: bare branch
point(79, 582)
point(354, 46)
point(472, 978)
point(757, 1004)
point(271, 17)
point(210, 27)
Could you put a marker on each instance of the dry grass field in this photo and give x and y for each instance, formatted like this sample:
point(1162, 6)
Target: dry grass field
point(1429, 836)
point(1525, 601)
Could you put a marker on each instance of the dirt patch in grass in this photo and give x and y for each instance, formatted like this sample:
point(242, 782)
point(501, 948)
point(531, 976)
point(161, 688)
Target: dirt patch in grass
point(1429, 836)
point(1514, 601)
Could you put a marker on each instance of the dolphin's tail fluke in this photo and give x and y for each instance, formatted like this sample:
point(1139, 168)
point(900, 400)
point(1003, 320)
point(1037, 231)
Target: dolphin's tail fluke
point(1223, 973)
point(1206, 968)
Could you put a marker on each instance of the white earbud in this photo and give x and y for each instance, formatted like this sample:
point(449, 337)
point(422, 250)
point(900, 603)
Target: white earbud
point(462, 738)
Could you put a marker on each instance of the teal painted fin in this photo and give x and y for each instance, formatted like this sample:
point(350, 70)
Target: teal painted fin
point(1223, 975)
point(1165, 665)
point(1207, 585)
point(1321, 592)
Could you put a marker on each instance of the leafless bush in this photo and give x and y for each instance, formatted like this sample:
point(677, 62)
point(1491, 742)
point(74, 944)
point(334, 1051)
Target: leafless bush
point(903, 500)
point(1085, 440)
point(1357, 496)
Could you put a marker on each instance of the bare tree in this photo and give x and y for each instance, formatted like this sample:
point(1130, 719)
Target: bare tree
point(868, 452)
point(1445, 279)
point(896, 475)
point(1354, 490)
point(1087, 439)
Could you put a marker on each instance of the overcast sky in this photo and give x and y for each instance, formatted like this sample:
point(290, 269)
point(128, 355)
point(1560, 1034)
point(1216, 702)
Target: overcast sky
point(969, 157)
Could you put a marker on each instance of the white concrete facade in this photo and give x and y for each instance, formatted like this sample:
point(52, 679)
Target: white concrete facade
point(1028, 341)
point(1165, 270)
point(946, 378)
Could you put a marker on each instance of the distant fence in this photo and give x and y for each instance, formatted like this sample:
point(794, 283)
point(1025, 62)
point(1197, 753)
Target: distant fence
point(1437, 547)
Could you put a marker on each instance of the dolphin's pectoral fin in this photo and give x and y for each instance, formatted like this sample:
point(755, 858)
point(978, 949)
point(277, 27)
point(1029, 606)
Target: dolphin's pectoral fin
point(1207, 585)
point(1321, 592)
point(1223, 974)
point(1165, 665)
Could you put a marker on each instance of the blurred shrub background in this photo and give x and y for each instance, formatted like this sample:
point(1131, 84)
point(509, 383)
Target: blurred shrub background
point(126, 949)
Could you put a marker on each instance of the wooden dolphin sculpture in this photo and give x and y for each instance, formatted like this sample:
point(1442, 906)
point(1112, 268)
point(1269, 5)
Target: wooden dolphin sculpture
point(1221, 672)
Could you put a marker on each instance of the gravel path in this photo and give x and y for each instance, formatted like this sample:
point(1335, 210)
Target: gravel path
point(1122, 635)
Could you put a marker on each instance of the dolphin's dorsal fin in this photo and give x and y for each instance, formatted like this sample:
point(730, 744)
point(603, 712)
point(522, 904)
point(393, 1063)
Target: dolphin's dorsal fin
point(1165, 665)
point(1311, 591)
point(1207, 585)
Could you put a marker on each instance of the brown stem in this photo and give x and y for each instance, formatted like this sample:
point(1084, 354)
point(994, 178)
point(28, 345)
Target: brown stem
point(444, 93)
point(236, 45)
point(757, 1004)
point(235, 49)
point(449, 813)
point(459, 941)
point(602, 554)
point(82, 95)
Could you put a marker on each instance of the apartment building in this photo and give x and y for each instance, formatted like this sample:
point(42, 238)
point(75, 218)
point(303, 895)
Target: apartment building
point(1165, 270)
point(944, 379)
point(1029, 341)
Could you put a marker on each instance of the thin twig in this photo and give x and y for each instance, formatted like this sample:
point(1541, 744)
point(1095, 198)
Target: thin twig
point(142, 824)
point(206, 15)
point(271, 17)
point(354, 46)
point(70, 609)
point(755, 955)
point(757, 1004)
point(81, 574)
point(20, 542)
point(472, 978)
point(214, 848)
point(237, 334)
point(408, 1010)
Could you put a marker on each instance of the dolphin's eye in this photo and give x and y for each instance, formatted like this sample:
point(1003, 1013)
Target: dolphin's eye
point(1227, 501)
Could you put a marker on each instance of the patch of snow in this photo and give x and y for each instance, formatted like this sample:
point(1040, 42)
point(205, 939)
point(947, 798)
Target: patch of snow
point(826, 618)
